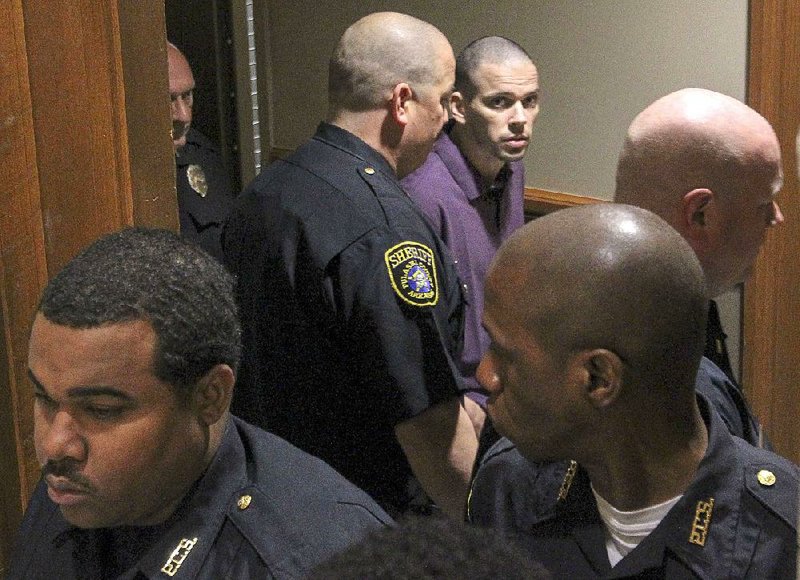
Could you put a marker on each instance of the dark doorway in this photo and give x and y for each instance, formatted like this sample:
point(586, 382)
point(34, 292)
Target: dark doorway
point(202, 29)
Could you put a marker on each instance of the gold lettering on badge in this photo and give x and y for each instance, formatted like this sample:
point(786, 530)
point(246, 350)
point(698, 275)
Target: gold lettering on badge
point(567, 483)
point(178, 556)
point(702, 521)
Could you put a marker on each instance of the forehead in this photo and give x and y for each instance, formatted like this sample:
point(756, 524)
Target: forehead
point(514, 76)
point(180, 73)
point(113, 355)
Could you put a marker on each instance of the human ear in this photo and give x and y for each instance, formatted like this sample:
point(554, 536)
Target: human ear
point(602, 372)
point(457, 106)
point(695, 206)
point(399, 103)
point(212, 393)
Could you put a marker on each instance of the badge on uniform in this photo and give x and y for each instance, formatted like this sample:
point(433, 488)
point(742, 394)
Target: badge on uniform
point(197, 179)
point(412, 272)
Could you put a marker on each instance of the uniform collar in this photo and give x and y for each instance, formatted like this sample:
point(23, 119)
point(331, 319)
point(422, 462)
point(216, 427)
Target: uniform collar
point(346, 141)
point(708, 512)
point(190, 538)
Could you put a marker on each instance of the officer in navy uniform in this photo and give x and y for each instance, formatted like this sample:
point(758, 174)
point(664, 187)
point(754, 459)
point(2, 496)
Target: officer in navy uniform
point(351, 306)
point(612, 465)
point(145, 473)
point(205, 193)
point(711, 167)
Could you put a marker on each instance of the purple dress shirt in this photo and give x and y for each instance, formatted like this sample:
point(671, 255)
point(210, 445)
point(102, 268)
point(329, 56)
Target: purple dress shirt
point(473, 224)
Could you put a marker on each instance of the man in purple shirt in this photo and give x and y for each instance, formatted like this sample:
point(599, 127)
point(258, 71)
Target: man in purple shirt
point(471, 185)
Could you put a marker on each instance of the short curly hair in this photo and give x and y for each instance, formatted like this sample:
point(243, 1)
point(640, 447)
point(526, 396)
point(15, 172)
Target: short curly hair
point(153, 275)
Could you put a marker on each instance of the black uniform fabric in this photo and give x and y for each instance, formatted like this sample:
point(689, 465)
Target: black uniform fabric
point(202, 217)
point(728, 400)
point(300, 513)
point(748, 532)
point(338, 347)
point(716, 348)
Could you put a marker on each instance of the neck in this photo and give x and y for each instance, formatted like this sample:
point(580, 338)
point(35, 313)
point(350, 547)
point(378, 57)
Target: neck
point(373, 128)
point(485, 164)
point(650, 463)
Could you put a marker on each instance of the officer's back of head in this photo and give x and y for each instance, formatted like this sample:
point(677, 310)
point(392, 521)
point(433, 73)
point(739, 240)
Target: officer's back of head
point(596, 316)
point(711, 167)
point(389, 79)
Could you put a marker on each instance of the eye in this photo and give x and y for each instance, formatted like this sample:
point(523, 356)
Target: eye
point(103, 413)
point(531, 101)
point(44, 401)
point(499, 102)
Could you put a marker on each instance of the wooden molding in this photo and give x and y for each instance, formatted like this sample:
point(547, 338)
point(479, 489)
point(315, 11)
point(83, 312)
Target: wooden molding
point(541, 201)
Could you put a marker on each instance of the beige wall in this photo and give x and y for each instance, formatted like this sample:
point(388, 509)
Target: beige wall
point(600, 61)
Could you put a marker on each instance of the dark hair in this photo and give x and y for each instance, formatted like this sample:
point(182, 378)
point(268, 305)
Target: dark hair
point(153, 275)
point(491, 49)
point(432, 547)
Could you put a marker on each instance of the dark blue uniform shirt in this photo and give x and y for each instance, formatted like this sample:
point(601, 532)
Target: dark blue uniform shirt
point(263, 509)
point(737, 519)
point(351, 310)
point(205, 193)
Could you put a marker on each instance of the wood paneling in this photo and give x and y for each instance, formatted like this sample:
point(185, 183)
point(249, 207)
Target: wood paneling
point(22, 270)
point(85, 149)
point(149, 127)
point(771, 325)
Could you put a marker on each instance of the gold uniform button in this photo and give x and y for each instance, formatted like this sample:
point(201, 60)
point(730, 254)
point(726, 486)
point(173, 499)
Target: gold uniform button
point(244, 502)
point(369, 171)
point(766, 477)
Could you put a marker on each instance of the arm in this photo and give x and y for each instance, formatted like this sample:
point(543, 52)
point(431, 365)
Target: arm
point(441, 445)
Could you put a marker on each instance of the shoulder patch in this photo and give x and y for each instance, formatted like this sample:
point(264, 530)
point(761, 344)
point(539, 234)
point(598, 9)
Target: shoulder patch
point(412, 272)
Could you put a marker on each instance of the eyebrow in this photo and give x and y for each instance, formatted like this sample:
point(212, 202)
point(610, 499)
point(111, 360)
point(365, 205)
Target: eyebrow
point(82, 392)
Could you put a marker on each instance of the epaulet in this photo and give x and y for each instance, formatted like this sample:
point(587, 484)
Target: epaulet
point(772, 481)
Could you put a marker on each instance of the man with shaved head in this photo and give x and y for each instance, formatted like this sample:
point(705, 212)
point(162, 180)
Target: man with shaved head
point(711, 167)
point(471, 187)
point(205, 192)
point(591, 379)
point(351, 308)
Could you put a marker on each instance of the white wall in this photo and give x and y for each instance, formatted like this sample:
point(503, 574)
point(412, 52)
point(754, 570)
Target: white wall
point(600, 62)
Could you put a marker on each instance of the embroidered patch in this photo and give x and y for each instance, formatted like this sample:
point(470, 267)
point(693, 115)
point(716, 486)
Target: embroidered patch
point(170, 568)
point(702, 521)
point(412, 272)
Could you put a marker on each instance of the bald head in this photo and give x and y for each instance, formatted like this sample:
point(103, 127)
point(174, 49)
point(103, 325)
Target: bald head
point(181, 87)
point(697, 155)
point(607, 276)
point(379, 51)
point(486, 50)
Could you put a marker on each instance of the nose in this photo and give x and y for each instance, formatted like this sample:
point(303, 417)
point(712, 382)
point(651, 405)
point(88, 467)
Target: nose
point(517, 114)
point(486, 374)
point(777, 215)
point(181, 110)
point(57, 437)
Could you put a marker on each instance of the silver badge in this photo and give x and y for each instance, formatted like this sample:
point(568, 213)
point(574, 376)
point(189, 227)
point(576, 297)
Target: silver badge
point(197, 179)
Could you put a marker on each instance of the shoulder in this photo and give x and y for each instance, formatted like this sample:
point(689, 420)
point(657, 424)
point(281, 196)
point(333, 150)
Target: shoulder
point(318, 193)
point(296, 511)
point(727, 400)
point(277, 466)
point(199, 141)
point(429, 177)
point(512, 493)
point(770, 480)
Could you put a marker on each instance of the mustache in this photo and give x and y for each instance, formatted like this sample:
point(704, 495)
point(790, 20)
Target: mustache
point(179, 130)
point(66, 469)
